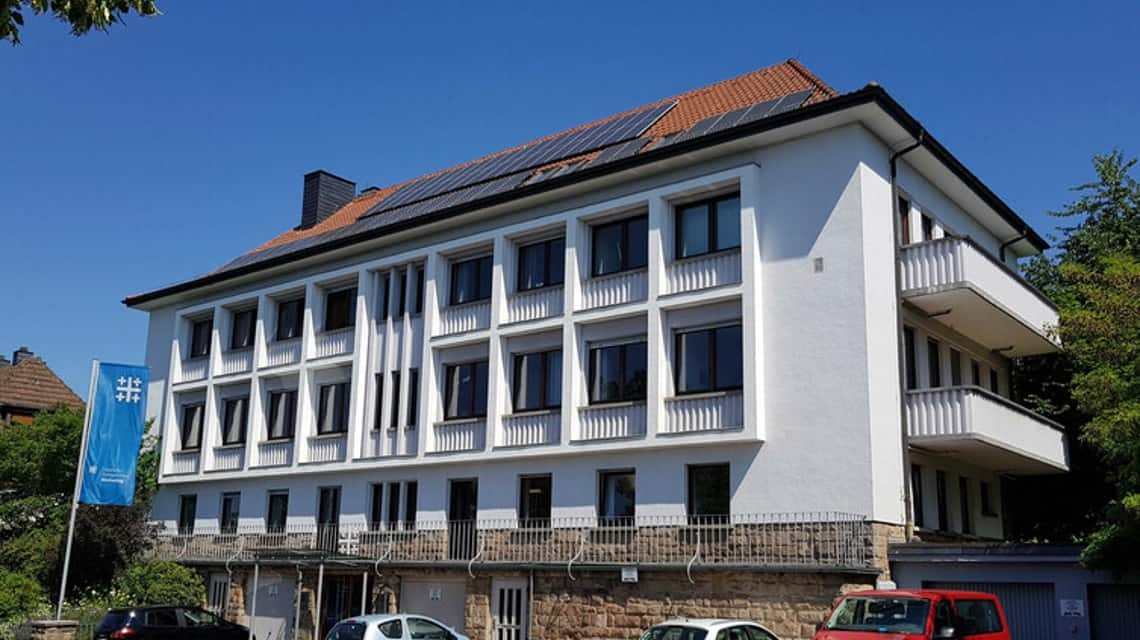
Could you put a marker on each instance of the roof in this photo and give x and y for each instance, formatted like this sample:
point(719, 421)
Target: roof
point(920, 593)
point(699, 118)
point(32, 385)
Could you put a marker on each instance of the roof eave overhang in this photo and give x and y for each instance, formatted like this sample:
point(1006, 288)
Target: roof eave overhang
point(874, 96)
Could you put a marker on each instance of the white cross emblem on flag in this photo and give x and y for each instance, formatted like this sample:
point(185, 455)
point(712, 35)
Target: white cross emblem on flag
point(128, 389)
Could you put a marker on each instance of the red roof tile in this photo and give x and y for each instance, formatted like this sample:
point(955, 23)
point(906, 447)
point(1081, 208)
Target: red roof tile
point(32, 385)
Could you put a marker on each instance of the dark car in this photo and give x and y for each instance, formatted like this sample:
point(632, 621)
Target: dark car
point(167, 623)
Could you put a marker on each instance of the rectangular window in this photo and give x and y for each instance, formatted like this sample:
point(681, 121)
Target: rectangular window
point(538, 380)
point(964, 504)
point(394, 416)
point(241, 336)
point(278, 512)
point(340, 309)
point(393, 504)
point(542, 264)
point(192, 418)
point(617, 373)
point(709, 493)
point(282, 414)
point(927, 228)
point(401, 293)
point(534, 501)
point(290, 318)
point(916, 496)
point(470, 280)
point(904, 221)
point(376, 514)
point(187, 514)
point(994, 380)
point(977, 617)
point(328, 511)
point(620, 246)
point(617, 498)
point(987, 500)
point(378, 412)
point(410, 500)
point(911, 366)
point(419, 307)
point(975, 373)
point(708, 226)
point(201, 332)
point(955, 367)
point(465, 391)
point(385, 297)
point(234, 419)
point(231, 511)
point(943, 506)
point(413, 397)
point(933, 362)
point(332, 412)
point(709, 360)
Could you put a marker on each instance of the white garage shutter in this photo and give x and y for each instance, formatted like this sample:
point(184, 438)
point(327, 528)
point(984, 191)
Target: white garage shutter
point(1030, 608)
point(1114, 611)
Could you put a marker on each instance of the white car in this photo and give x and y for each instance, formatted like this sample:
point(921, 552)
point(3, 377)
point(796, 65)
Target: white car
point(393, 626)
point(708, 629)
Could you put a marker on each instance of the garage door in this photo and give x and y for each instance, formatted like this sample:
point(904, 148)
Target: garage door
point(1030, 608)
point(1114, 611)
point(443, 600)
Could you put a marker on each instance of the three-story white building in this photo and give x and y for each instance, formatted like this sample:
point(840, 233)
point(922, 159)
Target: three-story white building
point(741, 337)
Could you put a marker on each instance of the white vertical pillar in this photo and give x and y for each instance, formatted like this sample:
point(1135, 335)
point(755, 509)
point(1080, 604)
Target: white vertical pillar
point(255, 422)
point(405, 348)
point(221, 322)
point(497, 389)
point(313, 305)
point(211, 428)
point(752, 308)
point(261, 332)
point(361, 347)
point(306, 415)
point(656, 356)
point(429, 370)
point(571, 365)
point(170, 436)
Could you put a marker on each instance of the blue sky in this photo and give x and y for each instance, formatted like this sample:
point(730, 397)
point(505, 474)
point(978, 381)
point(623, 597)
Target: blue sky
point(158, 151)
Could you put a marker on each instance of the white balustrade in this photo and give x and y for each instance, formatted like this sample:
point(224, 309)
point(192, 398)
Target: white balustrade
point(524, 429)
point(182, 462)
point(704, 412)
point(228, 458)
point(334, 343)
point(275, 453)
point(380, 442)
point(465, 317)
point(283, 353)
point(611, 421)
point(703, 272)
point(534, 305)
point(236, 361)
point(328, 448)
point(194, 369)
point(459, 435)
point(617, 288)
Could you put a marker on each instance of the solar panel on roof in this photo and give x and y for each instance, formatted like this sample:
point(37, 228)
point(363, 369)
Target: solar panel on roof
point(791, 101)
point(618, 151)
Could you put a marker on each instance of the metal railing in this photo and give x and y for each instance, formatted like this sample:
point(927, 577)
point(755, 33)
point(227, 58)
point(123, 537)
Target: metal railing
point(803, 539)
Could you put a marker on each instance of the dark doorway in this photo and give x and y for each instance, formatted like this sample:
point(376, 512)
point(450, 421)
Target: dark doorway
point(328, 519)
point(340, 599)
point(461, 514)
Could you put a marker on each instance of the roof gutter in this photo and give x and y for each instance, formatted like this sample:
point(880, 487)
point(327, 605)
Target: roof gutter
point(872, 94)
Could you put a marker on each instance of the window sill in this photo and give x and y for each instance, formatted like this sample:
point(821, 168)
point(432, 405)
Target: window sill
point(329, 436)
point(276, 440)
point(617, 404)
point(329, 332)
point(458, 421)
point(240, 349)
point(545, 287)
point(702, 256)
point(194, 450)
point(616, 274)
point(698, 395)
point(534, 412)
point(469, 303)
point(230, 445)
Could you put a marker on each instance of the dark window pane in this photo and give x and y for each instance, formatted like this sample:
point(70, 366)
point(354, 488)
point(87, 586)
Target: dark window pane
point(231, 506)
point(529, 383)
point(419, 308)
point(340, 309)
point(994, 380)
point(709, 490)
point(532, 267)
point(377, 413)
point(904, 221)
point(608, 254)
point(411, 498)
point(386, 296)
point(619, 496)
point(395, 415)
point(401, 292)
point(376, 514)
point(633, 386)
point(693, 230)
point(282, 414)
point(242, 334)
point(192, 418)
point(693, 368)
point(233, 421)
point(201, 332)
point(964, 505)
point(534, 500)
point(553, 392)
point(605, 367)
point(413, 396)
point(943, 507)
point(278, 511)
point(919, 506)
point(480, 388)
point(290, 317)
point(727, 223)
point(463, 283)
point(729, 358)
point(638, 243)
point(332, 410)
point(393, 504)
point(955, 367)
point(934, 362)
point(187, 513)
point(975, 373)
point(485, 267)
point(556, 261)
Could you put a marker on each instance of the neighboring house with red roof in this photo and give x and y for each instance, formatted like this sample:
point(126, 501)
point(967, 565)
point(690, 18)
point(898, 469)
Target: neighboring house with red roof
point(737, 339)
point(28, 386)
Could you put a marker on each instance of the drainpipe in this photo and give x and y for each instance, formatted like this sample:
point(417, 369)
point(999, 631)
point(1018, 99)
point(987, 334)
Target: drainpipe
point(1001, 250)
point(909, 518)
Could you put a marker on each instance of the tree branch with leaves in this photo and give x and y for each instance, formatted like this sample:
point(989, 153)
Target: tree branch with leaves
point(81, 15)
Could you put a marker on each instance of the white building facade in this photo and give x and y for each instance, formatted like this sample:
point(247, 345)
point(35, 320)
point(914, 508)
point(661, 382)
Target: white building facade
point(796, 327)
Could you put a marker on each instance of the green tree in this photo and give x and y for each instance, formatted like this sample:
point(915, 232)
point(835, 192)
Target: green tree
point(159, 582)
point(20, 596)
point(81, 15)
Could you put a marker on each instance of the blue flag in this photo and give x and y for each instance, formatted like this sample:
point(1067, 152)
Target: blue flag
point(118, 410)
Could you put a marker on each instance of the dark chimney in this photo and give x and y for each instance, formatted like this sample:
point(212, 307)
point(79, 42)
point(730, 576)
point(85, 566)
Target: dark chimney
point(324, 194)
point(4, 362)
point(21, 354)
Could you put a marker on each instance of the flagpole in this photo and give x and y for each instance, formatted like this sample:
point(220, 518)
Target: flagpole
point(79, 469)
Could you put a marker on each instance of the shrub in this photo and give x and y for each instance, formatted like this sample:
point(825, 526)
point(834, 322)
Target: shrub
point(20, 596)
point(156, 583)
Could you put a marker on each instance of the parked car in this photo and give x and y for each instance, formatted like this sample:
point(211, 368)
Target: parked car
point(708, 629)
point(916, 615)
point(167, 623)
point(392, 626)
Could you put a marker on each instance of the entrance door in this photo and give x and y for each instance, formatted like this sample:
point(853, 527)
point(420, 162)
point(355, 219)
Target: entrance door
point(275, 608)
point(340, 600)
point(216, 597)
point(509, 608)
point(461, 512)
point(328, 519)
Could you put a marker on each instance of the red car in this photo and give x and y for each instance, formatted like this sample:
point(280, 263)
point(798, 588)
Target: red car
point(923, 614)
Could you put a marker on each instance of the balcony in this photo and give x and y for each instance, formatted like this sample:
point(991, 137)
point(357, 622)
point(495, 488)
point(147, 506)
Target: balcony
point(714, 411)
point(236, 361)
point(451, 436)
point(283, 353)
point(535, 304)
point(962, 286)
point(275, 453)
point(531, 428)
point(327, 448)
point(228, 458)
point(184, 462)
point(826, 540)
point(611, 421)
point(334, 343)
point(986, 430)
point(703, 272)
point(472, 316)
point(194, 369)
point(618, 288)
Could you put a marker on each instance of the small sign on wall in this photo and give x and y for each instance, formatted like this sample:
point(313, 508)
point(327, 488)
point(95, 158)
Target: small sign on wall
point(1073, 608)
point(629, 574)
point(435, 593)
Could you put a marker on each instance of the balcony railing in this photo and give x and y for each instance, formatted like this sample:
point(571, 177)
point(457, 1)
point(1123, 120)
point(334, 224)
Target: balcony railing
point(611, 421)
point(535, 305)
point(275, 453)
point(703, 272)
point(459, 435)
point(381, 442)
point(327, 448)
point(617, 288)
point(194, 369)
point(531, 428)
point(236, 361)
point(334, 343)
point(473, 316)
point(704, 412)
point(985, 429)
point(228, 458)
point(283, 353)
point(781, 540)
point(183, 462)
